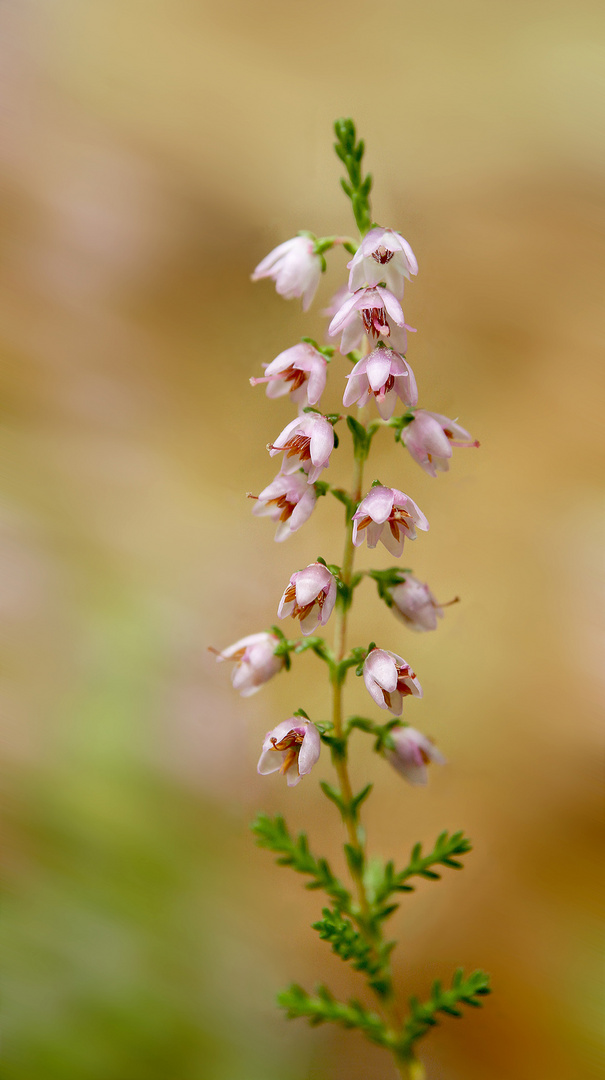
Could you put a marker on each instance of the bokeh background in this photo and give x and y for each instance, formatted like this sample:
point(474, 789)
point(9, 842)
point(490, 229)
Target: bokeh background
point(153, 151)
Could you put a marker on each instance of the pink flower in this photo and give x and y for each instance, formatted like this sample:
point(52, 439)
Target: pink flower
point(292, 748)
point(308, 441)
point(385, 375)
point(387, 506)
point(255, 661)
point(415, 604)
point(430, 438)
point(289, 500)
point(377, 312)
point(295, 269)
point(299, 371)
point(309, 596)
point(383, 255)
point(389, 679)
point(412, 753)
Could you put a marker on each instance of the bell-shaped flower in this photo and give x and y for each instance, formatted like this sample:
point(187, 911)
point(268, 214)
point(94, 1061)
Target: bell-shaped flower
point(292, 748)
point(388, 515)
point(289, 500)
point(307, 442)
point(430, 438)
point(255, 661)
point(309, 596)
point(412, 753)
point(295, 269)
point(299, 371)
point(415, 604)
point(383, 255)
point(386, 376)
point(375, 311)
point(389, 679)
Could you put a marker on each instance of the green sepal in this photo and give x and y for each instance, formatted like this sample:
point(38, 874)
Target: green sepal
point(398, 423)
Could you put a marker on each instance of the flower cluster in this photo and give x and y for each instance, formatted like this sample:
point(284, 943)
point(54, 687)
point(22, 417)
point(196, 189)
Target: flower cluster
point(367, 320)
point(368, 316)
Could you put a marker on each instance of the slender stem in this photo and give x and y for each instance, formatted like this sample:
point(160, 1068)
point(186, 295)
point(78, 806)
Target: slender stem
point(340, 638)
point(340, 761)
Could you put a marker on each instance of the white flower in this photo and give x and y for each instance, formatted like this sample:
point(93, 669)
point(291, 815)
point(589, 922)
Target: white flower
point(289, 500)
point(292, 748)
point(377, 312)
point(389, 678)
point(310, 596)
point(430, 438)
point(255, 661)
point(299, 371)
point(384, 375)
point(294, 267)
point(415, 604)
point(308, 442)
point(383, 255)
point(388, 515)
point(412, 753)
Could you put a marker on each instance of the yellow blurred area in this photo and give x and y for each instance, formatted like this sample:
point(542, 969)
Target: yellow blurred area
point(153, 152)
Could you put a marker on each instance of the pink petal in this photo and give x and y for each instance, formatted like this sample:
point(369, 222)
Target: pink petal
point(378, 504)
point(378, 367)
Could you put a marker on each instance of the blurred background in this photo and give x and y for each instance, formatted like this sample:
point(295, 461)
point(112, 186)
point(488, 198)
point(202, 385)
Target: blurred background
point(153, 152)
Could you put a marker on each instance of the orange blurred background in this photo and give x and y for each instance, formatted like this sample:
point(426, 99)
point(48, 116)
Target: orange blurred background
point(153, 153)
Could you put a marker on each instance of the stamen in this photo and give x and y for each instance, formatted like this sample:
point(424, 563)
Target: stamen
point(382, 255)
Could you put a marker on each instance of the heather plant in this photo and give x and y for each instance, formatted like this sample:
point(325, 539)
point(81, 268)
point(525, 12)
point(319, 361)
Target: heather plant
point(368, 320)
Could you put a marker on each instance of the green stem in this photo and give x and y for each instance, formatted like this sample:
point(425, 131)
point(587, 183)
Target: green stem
point(340, 638)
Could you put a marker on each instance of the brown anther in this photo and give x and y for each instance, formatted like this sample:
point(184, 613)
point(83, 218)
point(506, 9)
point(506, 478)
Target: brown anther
point(389, 384)
point(373, 318)
point(365, 521)
point(284, 505)
point(298, 446)
point(293, 738)
point(394, 527)
point(294, 376)
point(382, 255)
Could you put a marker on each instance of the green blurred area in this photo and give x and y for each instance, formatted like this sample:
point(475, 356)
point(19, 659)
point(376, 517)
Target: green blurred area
point(153, 153)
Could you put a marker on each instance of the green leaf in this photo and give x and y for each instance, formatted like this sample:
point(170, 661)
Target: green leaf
point(324, 1008)
point(273, 834)
point(446, 847)
point(331, 793)
point(423, 1016)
